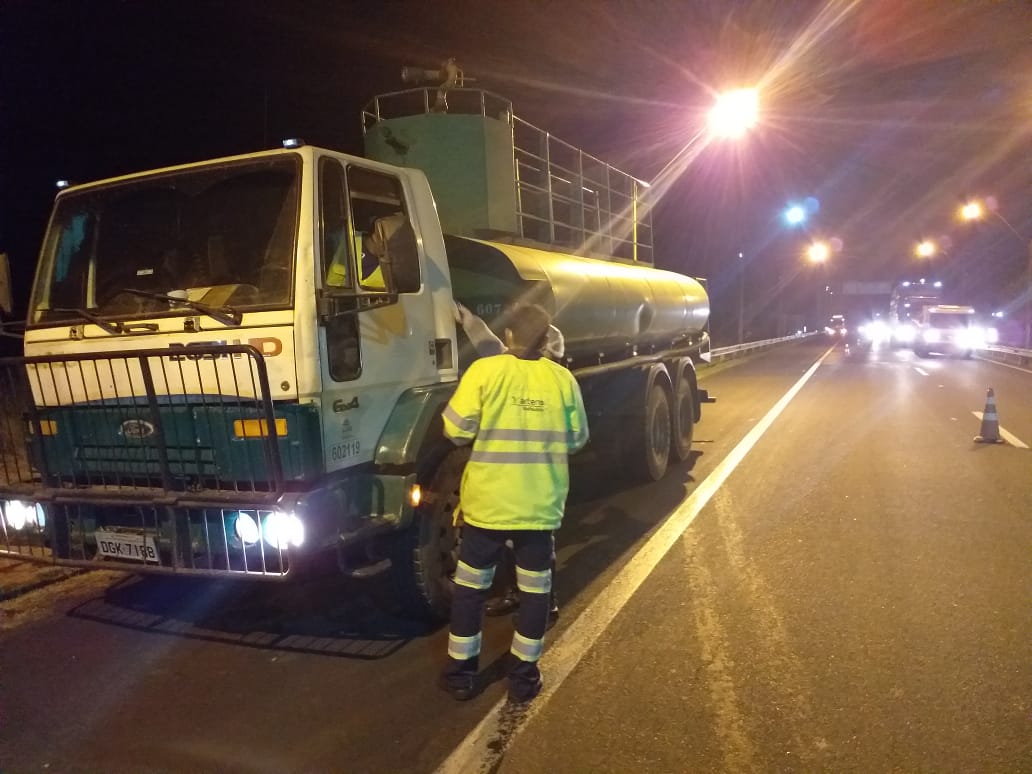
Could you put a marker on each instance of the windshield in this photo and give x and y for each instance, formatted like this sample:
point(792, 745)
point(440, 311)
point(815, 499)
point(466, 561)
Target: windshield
point(949, 319)
point(220, 235)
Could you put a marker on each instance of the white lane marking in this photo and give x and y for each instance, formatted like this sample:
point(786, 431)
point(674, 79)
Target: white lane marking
point(1010, 438)
point(921, 371)
point(486, 744)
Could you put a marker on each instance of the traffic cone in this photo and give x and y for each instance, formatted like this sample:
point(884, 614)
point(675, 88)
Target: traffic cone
point(990, 432)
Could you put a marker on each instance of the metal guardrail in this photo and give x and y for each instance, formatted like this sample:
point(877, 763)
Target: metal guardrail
point(999, 352)
point(1007, 354)
point(721, 354)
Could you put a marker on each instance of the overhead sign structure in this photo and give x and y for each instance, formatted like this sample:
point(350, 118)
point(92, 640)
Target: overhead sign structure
point(858, 288)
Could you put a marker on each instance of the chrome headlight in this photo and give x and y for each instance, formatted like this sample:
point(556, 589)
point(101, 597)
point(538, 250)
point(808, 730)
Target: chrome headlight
point(245, 527)
point(18, 515)
point(282, 530)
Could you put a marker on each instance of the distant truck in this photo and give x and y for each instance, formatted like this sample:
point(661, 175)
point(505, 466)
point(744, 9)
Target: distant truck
point(836, 327)
point(236, 368)
point(906, 305)
point(949, 329)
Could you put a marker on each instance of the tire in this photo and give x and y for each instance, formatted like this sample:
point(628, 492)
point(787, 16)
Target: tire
point(425, 555)
point(652, 450)
point(683, 420)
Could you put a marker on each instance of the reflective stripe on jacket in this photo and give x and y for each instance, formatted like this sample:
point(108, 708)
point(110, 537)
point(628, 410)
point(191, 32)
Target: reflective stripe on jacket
point(524, 417)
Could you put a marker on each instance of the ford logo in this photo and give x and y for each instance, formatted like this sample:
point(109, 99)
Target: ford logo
point(137, 428)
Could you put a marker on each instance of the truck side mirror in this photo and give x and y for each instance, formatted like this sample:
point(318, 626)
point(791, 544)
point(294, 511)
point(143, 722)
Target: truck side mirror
point(394, 243)
point(6, 297)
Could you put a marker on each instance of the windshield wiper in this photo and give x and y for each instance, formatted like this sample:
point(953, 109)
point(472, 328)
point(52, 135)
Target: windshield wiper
point(111, 326)
point(223, 314)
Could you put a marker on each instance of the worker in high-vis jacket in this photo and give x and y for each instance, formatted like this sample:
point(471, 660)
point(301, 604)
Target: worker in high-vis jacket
point(486, 343)
point(524, 415)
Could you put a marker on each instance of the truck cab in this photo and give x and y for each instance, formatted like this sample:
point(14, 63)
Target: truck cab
point(951, 329)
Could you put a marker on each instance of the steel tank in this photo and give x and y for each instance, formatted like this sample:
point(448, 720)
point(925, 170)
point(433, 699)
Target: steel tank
point(606, 310)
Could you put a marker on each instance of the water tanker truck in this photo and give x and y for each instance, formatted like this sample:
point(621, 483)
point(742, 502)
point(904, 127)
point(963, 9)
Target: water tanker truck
point(237, 368)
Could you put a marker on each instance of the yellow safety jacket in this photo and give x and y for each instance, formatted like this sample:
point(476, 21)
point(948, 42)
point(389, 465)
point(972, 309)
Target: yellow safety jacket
point(524, 417)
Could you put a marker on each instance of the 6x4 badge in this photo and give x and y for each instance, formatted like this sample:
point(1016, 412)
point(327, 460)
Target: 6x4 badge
point(137, 428)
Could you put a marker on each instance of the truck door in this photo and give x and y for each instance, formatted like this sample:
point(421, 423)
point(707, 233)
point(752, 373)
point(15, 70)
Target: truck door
point(378, 348)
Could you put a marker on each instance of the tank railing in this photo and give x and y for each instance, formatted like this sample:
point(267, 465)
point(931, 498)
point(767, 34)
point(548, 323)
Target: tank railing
point(564, 196)
point(569, 197)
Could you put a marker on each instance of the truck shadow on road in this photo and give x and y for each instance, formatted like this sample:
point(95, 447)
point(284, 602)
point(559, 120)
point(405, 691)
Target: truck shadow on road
point(328, 616)
point(356, 619)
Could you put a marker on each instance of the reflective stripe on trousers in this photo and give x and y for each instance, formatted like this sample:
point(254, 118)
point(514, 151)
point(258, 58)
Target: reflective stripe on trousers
point(480, 553)
point(462, 648)
point(534, 581)
point(525, 648)
point(474, 577)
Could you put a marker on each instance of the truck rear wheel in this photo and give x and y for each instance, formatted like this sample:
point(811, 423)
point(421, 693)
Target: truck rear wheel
point(426, 553)
point(683, 420)
point(652, 450)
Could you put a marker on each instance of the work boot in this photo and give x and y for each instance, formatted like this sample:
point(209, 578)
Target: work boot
point(522, 690)
point(460, 687)
point(506, 603)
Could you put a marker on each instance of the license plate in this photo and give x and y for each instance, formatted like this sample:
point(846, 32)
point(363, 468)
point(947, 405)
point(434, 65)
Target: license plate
point(130, 546)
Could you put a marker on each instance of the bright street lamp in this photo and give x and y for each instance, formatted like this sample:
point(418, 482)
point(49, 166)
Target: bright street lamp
point(734, 113)
point(818, 252)
point(972, 210)
point(926, 248)
point(795, 215)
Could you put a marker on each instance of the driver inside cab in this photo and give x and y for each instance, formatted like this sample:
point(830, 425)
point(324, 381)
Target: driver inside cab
point(370, 246)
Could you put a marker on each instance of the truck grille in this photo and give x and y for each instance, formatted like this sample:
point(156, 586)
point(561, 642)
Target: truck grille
point(150, 460)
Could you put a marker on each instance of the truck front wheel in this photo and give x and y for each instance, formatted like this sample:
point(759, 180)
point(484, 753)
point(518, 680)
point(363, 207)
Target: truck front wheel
point(425, 554)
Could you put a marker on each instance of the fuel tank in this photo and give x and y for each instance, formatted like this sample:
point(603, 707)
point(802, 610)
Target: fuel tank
point(606, 310)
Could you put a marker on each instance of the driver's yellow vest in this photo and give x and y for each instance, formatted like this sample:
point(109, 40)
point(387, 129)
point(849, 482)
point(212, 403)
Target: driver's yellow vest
point(523, 417)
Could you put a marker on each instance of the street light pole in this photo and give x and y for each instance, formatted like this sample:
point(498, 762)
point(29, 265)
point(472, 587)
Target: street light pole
point(818, 254)
point(741, 298)
point(732, 115)
point(974, 210)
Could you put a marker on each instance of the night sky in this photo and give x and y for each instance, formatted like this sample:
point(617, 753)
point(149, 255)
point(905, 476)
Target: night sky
point(887, 112)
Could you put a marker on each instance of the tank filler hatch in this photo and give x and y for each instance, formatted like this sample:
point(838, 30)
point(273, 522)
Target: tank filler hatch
point(495, 176)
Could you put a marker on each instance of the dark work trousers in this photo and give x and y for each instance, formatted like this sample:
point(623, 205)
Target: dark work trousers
point(505, 577)
point(482, 549)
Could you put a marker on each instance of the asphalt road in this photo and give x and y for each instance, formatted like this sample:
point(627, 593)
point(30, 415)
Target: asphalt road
point(846, 588)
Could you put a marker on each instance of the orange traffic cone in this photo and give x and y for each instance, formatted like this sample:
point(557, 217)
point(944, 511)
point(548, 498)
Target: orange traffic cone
point(990, 432)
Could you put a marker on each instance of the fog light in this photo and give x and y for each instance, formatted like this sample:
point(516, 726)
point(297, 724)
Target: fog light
point(282, 530)
point(246, 528)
